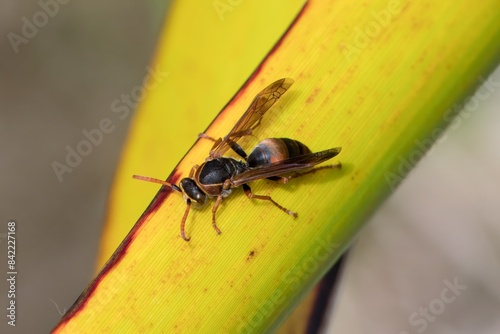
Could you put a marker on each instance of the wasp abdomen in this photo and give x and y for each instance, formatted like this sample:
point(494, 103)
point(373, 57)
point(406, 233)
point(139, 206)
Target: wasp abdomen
point(275, 149)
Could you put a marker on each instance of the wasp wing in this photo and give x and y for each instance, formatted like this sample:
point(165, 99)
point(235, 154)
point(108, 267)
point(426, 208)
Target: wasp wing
point(252, 116)
point(295, 164)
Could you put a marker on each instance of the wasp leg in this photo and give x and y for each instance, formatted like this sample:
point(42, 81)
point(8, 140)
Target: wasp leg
point(242, 133)
point(193, 170)
point(285, 179)
point(214, 210)
point(237, 148)
point(216, 141)
point(205, 136)
point(183, 222)
point(248, 192)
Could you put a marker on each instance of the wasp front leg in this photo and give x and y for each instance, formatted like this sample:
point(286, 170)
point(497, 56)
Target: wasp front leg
point(183, 222)
point(225, 186)
point(214, 211)
point(193, 170)
point(205, 136)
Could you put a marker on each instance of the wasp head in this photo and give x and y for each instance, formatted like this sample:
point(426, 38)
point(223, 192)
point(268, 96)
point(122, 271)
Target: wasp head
point(191, 192)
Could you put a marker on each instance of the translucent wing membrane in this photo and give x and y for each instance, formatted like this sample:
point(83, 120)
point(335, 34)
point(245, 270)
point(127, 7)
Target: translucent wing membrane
point(292, 165)
point(252, 116)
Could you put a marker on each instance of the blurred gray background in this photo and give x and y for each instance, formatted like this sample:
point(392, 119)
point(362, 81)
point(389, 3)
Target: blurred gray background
point(62, 81)
point(440, 228)
point(441, 225)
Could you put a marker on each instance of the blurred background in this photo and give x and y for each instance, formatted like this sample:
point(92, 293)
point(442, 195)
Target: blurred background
point(429, 260)
point(59, 83)
point(441, 227)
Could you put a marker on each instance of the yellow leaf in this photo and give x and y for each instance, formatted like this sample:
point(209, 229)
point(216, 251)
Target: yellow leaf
point(379, 79)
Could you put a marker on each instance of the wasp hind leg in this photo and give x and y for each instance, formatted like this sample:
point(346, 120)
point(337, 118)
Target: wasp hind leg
point(285, 179)
point(248, 192)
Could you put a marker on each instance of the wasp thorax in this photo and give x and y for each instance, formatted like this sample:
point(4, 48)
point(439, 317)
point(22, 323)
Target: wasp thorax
point(191, 191)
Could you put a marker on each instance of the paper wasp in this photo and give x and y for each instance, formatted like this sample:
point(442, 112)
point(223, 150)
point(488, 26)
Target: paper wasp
point(278, 159)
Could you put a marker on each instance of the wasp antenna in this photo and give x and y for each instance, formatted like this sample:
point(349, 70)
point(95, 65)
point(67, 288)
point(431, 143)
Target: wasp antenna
point(152, 179)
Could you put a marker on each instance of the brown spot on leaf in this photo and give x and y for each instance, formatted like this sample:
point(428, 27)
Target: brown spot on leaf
point(251, 254)
point(313, 96)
